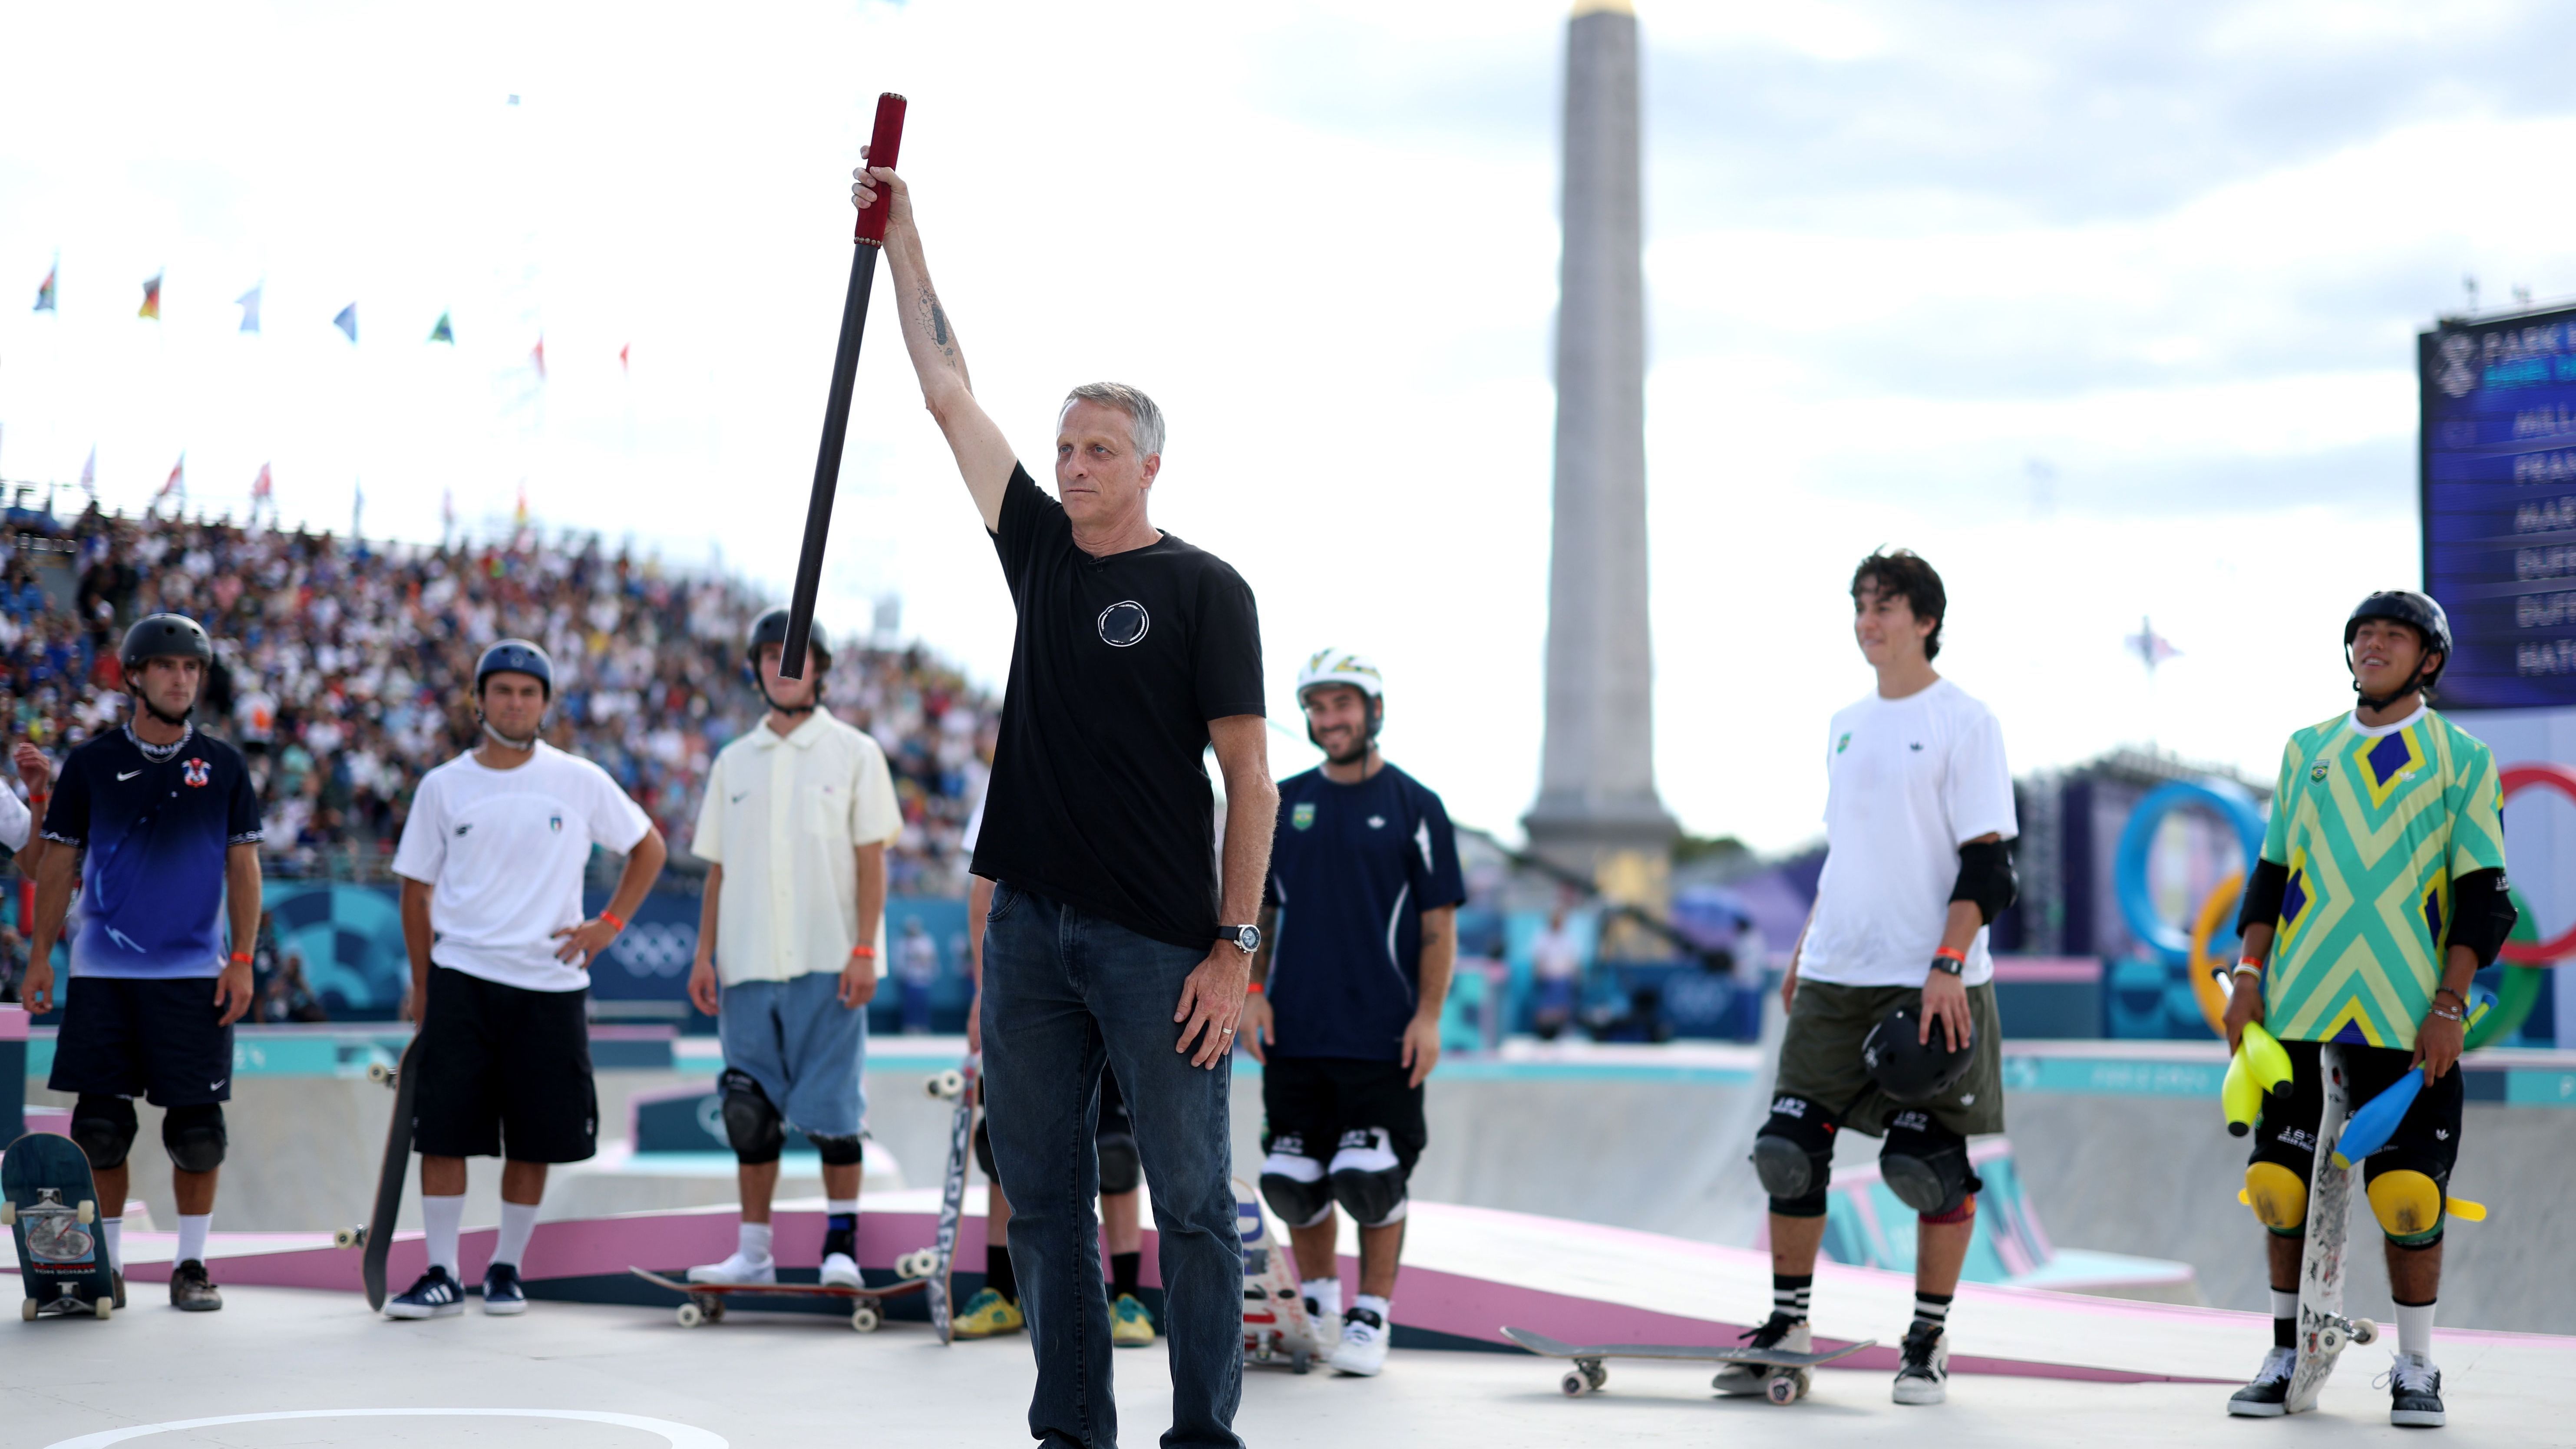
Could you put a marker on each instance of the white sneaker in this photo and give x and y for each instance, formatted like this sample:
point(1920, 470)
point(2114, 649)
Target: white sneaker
point(840, 1270)
point(736, 1269)
point(1363, 1346)
point(1778, 1333)
point(1924, 1376)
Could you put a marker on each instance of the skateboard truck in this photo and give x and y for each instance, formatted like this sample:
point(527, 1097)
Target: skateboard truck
point(1587, 1374)
point(2337, 1332)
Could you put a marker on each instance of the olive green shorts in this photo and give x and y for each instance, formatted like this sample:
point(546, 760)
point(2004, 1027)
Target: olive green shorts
point(1820, 1058)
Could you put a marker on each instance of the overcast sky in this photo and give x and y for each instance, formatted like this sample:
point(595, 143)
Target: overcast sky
point(2108, 309)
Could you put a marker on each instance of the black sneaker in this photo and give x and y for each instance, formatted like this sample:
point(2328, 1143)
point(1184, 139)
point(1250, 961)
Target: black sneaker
point(2414, 1392)
point(1779, 1331)
point(2268, 1396)
point(116, 1277)
point(436, 1295)
point(191, 1291)
point(1924, 1377)
point(502, 1293)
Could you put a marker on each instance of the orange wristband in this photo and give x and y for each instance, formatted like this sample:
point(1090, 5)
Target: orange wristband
point(867, 952)
point(1954, 954)
point(611, 918)
point(241, 958)
point(1252, 988)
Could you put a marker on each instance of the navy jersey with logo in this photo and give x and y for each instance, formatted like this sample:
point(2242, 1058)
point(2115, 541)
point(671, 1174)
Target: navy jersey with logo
point(153, 835)
point(1352, 869)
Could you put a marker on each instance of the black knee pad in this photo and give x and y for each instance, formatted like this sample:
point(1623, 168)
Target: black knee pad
point(1368, 1177)
point(194, 1136)
point(847, 1151)
point(1926, 1165)
point(752, 1125)
point(984, 1152)
point(1121, 1169)
point(1794, 1156)
point(104, 1127)
point(1293, 1183)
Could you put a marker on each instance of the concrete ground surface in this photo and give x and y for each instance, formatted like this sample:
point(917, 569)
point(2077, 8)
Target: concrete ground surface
point(638, 1381)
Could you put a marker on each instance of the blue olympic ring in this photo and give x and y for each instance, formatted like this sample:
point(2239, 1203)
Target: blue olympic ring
point(2171, 942)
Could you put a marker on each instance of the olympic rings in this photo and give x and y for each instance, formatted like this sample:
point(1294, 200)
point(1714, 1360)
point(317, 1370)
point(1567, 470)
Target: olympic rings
point(2562, 779)
point(2129, 871)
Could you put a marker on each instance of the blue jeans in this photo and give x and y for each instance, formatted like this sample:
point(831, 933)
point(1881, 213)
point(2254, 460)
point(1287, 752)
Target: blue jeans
point(1064, 992)
point(802, 1046)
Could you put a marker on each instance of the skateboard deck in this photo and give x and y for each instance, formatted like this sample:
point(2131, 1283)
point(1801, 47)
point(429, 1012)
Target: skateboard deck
point(962, 1086)
point(1276, 1326)
point(2324, 1331)
point(706, 1301)
point(1786, 1384)
point(50, 1204)
point(377, 1237)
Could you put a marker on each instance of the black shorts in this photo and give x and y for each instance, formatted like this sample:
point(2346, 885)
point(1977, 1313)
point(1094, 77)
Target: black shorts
point(161, 1040)
point(504, 1064)
point(1114, 1121)
point(2427, 1139)
point(1315, 1100)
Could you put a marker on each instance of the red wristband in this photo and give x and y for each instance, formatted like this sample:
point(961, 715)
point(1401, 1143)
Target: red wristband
point(869, 952)
point(1252, 988)
point(612, 919)
point(241, 958)
point(1954, 954)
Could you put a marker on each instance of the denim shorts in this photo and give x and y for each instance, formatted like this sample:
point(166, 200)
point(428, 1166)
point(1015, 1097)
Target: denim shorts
point(804, 1047)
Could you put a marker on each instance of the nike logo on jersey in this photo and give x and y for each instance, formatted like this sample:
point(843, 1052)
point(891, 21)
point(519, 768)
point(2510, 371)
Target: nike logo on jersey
point(738, 799)
point(1377, 822)
point(122, 939)
point(217, 1084)
point(1917, 746)
point(461, 829)
point(128, 774)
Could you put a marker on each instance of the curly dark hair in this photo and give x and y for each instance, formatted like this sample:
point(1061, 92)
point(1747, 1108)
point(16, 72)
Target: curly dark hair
point(1901, 572)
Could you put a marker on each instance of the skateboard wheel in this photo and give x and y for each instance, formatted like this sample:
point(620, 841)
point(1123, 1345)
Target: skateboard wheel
point(1780, 1389)
point(1572, 1384)
point(916, 1265)
point(2330, 1340)
point(691, 1315)
point(27, 1309)
point(1300, 1361)
point(2364, 1331)
point(865, 1318)
point(102, 1306)
point(86, 1213)
point(947, 1085)
point(349, 1238)
point(379, 1073)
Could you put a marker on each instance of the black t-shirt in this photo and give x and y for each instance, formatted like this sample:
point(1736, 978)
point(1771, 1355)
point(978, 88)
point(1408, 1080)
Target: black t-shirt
point(1100, 795)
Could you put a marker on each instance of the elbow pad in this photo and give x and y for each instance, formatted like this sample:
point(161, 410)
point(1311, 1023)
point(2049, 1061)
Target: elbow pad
point(1986, 878)
point(2263, 896)
point(2482, 914)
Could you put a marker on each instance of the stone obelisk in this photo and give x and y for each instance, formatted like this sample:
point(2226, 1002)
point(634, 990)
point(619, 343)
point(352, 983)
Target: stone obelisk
point(1597, 811)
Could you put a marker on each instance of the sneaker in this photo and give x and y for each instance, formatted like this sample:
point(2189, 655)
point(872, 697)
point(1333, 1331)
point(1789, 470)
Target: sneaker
point(737, 1269)
point(1130, 1326)
point(1363, 1346)
point(2269, 1395)
point(2414, 1392)
point(1924, 1378)
point(1780, 1331)
point(503, 1295)
point(191, 1291)
point(986, 1314)
point(436, 1295)
point(117, 1280)
point(841, 1259)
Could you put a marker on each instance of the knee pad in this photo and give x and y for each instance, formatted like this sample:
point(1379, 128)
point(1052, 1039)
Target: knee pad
point(1926, 1165)
point(1794, 1156)
point(839, 1151)
point(1121, 1169)
point(752, 1125)
point(2279, 1198)
point(104, 1127)
point(194, 1136)
point(1293, 1184)
point(1368, 1178)
point(984, 1152)
point(2409, 1207)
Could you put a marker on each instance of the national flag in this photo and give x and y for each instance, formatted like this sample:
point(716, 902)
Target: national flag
point(89, 473)
point(151, 298)
point(261, 487)
point(537, 357)
point(249, 303)
point(45, 290)
point(621, 357)
point(521, 518)
point(347, 321)
point(2151, 647)
point(442, 332)
point(177, 483)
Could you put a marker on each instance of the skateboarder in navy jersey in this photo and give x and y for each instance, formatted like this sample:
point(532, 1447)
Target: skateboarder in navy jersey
point(491, 863)
point(1359, 933)
point(161, 825)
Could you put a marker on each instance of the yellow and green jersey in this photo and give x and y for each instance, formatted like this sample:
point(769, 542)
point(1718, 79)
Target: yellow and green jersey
point(2373, 827)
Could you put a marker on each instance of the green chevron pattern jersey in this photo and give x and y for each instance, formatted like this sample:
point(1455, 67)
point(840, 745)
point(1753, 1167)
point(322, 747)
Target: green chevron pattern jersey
point(2373, 827)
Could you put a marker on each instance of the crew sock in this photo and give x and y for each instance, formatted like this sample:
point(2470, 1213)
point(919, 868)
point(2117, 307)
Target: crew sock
point(1790, 1293)
point(440, 1219)
point(752, 1239)
point(1326, 1294)
point(1371, 1303)
point(192, 1236)
point(842, 1207)
point(518, 1224)
point(2414, 1329)
point(2285, 1318)
point(115, 1235)
point(1932, 1308)
point(1123, 1271)
point(997, 1271)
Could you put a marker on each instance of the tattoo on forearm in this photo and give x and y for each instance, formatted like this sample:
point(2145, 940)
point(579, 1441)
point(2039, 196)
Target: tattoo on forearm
point(938, 324)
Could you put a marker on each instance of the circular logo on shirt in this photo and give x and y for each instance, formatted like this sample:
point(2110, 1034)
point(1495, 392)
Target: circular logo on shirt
point(1124, 623)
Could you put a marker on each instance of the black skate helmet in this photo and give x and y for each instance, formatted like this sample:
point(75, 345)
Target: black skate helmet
point(771, 628)
point(1910, 1070)
point(165, 636)
point(2416, 611)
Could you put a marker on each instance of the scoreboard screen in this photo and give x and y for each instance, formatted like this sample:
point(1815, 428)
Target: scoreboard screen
point(2498, 472)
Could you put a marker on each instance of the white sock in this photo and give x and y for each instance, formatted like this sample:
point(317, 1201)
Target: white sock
point(440, 1219)
point(834, 1205)
point(2285, 1304)
point(192, 1237)
point(1327, 1293)
point(1374, 1304)
point(2414, 1329)
point(518, 1224)
point(115, 1235)
point(754, 1242)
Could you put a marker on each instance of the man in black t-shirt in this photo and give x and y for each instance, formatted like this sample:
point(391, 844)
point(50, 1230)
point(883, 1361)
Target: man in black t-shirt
point(1113, 934)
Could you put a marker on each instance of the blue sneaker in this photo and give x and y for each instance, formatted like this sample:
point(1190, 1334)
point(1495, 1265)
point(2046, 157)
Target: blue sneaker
point(502, 1295)
point(436, 1295)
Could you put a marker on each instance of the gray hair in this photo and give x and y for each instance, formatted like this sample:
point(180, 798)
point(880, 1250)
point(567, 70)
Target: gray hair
point(1144, 420)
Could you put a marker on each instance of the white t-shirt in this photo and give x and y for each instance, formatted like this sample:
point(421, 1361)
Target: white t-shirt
point(785, 818)
point(502, 852)
point(1908, 781)
point(1554, 956)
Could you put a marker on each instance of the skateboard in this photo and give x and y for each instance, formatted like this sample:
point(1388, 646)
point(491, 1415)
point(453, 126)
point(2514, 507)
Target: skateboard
point(707, 1300)
point(935, 1264)
point(1787, 1383)
point(377, 1236)
point(1276, 1325)
point(50, 1205)
point(2324, 1331)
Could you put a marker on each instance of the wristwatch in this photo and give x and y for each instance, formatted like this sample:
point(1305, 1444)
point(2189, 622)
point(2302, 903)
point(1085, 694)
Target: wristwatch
point(1949, 962)
point(1246, 939)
